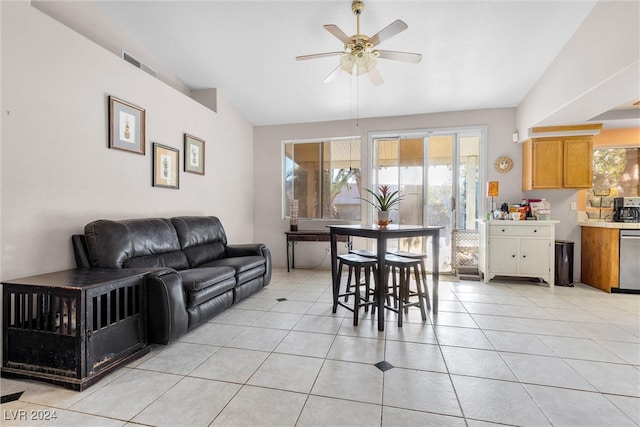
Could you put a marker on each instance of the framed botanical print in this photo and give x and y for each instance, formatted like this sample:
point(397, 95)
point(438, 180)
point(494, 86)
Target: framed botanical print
point(126, 126)
point(165, 166)
point(193, 154)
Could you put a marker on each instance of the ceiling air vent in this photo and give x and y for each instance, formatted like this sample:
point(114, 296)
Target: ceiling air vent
point(133, 61)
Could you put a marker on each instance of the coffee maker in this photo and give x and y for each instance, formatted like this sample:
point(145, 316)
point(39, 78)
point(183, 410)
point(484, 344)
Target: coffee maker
point(626, 209)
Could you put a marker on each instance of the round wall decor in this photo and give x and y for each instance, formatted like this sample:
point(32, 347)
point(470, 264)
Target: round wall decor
point(503, 164)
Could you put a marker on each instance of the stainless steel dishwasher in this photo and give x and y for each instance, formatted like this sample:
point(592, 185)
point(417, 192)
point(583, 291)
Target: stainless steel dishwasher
point(630, 261)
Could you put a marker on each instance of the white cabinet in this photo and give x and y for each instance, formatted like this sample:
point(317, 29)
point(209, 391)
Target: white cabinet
point(517, 248)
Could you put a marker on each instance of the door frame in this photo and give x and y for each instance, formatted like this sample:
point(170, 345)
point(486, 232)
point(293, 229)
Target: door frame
point(457, 133)
point(461, 131)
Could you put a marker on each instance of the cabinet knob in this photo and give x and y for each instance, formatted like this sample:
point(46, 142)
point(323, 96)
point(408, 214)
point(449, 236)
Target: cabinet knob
point(503, 230)
point(513, 256)
point(535, 231)
point(524, 256)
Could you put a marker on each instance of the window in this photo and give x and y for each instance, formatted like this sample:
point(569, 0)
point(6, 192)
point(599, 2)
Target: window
point(616, 173)
point(324, 177)
point(616, 170)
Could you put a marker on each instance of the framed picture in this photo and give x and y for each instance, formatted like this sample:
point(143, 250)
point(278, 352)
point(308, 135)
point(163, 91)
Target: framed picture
point(165, 166)
point(126, 126)
point(193, 154)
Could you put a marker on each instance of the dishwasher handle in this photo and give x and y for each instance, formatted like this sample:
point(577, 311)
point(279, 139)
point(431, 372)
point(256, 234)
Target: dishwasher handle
point(630, 234)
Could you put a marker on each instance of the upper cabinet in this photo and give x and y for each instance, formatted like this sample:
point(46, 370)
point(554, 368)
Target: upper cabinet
point(578, 162)
point(556, 162)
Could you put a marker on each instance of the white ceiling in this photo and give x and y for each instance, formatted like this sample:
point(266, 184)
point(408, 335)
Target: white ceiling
point(476, 54)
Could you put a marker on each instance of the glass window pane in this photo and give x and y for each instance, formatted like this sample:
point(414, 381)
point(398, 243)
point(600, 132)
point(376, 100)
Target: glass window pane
point(616, 173)
point(324, 176)
point(440, 179)
point(617, 170)
point(288, 177)
point(468, 182)
point(388, 171)
point(343, 185)
point(306, 179)
point(411, 181)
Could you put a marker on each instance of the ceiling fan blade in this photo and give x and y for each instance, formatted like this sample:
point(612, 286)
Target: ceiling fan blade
point(317, 55)
point(333, 29)
point(399, 56)
point(332, 75)
point(375, 77)
point(387, 32)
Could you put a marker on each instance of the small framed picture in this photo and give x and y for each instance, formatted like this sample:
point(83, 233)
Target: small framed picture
point(165, 166)
point(126, 126)
point(193, 154)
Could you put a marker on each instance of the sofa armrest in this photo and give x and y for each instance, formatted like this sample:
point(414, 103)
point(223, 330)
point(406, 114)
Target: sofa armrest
point(267, 274)
point(167, 317)
point(244, 250)
point(249, 249)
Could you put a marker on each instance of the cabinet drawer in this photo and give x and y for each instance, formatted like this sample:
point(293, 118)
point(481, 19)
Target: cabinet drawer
point(519, 230)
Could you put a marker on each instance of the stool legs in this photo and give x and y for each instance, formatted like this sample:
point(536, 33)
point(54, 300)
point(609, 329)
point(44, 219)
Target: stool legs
point(421, 286)
point(336, 287)
point(425, 291)
point(355, 272)
point(402, 293)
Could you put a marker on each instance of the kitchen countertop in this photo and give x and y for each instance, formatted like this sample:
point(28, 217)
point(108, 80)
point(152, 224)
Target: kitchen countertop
point(604, 224)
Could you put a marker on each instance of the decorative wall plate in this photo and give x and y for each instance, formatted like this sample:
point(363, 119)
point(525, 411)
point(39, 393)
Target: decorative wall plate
point(503, 164)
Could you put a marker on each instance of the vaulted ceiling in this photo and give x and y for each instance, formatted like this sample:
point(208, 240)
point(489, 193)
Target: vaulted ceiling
point(475, 54)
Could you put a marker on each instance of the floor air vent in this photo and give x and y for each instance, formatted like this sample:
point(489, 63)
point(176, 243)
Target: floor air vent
point(133, 61)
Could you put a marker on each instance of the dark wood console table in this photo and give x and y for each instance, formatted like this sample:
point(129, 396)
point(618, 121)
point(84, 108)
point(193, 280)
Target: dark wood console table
point(72, 327)
point(307, 236)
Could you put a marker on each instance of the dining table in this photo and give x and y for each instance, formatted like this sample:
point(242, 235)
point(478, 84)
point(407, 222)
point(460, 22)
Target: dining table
point(381, 236)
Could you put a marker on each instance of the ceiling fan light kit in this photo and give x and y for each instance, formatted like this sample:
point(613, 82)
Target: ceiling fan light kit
point(359, 56)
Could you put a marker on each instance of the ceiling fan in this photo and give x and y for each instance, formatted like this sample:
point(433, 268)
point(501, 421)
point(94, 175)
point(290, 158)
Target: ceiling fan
point(359, 54)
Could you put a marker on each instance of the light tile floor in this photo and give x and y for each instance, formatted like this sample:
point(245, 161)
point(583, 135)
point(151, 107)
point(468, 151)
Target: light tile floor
point(505, 353)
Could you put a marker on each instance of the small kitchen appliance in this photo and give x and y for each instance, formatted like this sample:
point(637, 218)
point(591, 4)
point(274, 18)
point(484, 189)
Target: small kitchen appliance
point(626, 209)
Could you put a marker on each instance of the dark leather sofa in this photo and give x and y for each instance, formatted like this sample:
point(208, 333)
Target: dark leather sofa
point(193, 273)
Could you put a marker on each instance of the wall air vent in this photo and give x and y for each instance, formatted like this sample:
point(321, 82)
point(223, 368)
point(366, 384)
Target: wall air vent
point(133, 61)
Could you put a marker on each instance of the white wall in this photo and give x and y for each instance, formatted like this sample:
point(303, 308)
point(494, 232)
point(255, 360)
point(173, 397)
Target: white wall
point(57, 173)
point(596, 71)
point(269, 226)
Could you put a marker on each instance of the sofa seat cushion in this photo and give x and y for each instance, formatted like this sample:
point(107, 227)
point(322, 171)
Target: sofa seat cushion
point(239, 264)
point(197, 279)
point(203, 284)
point(246, 267)
point(175, 260)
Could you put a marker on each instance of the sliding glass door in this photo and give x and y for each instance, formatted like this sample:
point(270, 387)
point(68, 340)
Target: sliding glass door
point(438, 174)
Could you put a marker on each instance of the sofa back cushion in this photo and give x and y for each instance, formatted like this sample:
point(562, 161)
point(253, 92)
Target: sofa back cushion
point(134, 243)
point(202, 238)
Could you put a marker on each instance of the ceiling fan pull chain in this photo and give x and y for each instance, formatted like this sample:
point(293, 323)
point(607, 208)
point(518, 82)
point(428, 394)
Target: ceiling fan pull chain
point(357, 102)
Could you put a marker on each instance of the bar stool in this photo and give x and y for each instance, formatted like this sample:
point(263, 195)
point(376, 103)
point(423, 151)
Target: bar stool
point(363, 252)
point(357, 264)
point(402, 294)
point(423, 269)
point(369, 254)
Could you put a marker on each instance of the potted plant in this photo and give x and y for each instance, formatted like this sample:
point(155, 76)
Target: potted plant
point(384, 201)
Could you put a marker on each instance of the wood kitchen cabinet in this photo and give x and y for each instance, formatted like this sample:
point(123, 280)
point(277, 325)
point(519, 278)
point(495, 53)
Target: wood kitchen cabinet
point(600, 260)
point(517, 248)
point(555, 163)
